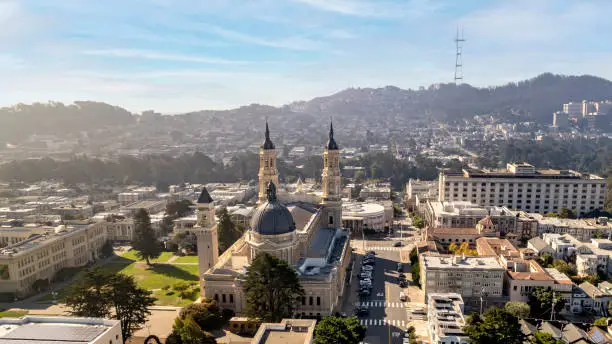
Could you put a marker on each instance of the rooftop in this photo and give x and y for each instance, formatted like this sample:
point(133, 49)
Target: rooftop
point(53, 330)
point(523, 171)
point(288, 331)
point(457, 262)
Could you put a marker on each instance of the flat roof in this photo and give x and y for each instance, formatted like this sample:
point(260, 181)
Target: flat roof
point(463, 263)
point(52, 330)
point(538, 174)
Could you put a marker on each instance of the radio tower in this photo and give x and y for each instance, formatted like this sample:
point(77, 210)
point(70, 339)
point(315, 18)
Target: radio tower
point(458, 60)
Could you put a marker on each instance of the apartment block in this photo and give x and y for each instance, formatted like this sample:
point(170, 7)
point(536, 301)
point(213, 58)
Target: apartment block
point(464, 214)
point(469, 276)
point(591, 257)
point(42, 255)
point(445, 319)
point(523, 187)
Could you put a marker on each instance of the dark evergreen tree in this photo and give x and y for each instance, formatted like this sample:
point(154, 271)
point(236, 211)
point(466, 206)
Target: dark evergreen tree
point(272, 289)
point(339, 331)
point(495, 326)
point(228, 232)
point(144, 240)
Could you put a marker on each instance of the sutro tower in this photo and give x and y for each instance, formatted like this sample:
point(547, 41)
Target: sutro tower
point(458, 60)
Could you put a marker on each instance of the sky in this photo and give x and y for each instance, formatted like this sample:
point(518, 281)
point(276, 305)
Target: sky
point(174, 56)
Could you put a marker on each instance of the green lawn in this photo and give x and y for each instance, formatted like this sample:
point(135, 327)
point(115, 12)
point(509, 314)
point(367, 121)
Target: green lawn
point(131, 255)
point(186, 259)
point(13, 314)
point(151, 277)
point(173, 300)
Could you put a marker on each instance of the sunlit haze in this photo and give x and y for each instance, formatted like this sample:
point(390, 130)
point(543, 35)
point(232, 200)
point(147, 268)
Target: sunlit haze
point(182, 55)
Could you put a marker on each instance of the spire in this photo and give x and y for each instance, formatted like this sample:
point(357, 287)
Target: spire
point(267, 143)
point(204, 197)
point(331, 143)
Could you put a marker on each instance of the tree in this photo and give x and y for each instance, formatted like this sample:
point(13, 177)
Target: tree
point(545, 260)
point(339, 331)
point(144, 240)
point(107, 249)
point(415, 270)
point(272, 289)
point(411, 335)
point(131, 303)
point(418, 222)
point(414, 256)
point(90, 297)
point(206, 314)
point(495, 326)
point(464, 248)
point(541, 301)
point(103, 295)
point(187, 331)
point(227, 230)
point(544, 338)
point(518, 309)
point(40, 285)
point(601, 322)
point(178, 208)
point(565, 213)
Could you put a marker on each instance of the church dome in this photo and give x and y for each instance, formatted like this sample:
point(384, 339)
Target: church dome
point(272, 217)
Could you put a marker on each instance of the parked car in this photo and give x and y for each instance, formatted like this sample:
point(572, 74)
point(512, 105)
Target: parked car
point(373, 253)
point(403, 297)
point(359, 311)
point(365, 275)
point(368, 262)
point(397, 244)
point(403, 284)
point(400, 267)
point(367, 267)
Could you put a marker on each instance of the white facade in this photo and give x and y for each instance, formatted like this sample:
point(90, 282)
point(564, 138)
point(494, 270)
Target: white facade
point(522, 187)
point(469, 276)
point(445, 319)
point(357, 215)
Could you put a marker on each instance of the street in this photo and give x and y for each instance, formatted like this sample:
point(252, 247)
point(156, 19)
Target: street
point(388, 317)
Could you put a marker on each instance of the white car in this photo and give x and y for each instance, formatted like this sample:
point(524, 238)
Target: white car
point(365, 275)
point(367, 267)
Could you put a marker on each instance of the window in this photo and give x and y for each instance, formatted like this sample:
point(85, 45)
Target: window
point(231, 297)
point(310, 300)
point(318, 300)
point(217, 297)
point(223, 298)
point(331, 220)
point(304, 300)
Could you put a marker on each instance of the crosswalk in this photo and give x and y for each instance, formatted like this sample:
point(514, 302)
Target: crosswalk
point(380, 304)
point(384, 248)
point(383, 322)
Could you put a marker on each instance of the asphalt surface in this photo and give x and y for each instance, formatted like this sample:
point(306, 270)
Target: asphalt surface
point(388, 316)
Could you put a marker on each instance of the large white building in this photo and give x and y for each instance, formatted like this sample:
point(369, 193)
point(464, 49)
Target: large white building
point(45, 252)
point(523, 187)
point(358, 215)
point(59, 330)
point(445, 319)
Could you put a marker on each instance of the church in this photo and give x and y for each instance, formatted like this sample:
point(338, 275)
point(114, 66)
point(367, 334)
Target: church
point(308, 235)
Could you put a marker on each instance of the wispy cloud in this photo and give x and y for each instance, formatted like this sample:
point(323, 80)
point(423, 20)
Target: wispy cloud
point(154, 55)
point(372, 8)
point(292, 43)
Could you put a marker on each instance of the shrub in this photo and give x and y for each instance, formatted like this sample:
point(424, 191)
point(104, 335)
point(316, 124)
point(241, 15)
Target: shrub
point(180, 286)
point(166, 287)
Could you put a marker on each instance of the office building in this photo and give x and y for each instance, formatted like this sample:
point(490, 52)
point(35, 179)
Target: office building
point(573, 109)
point(523, 187)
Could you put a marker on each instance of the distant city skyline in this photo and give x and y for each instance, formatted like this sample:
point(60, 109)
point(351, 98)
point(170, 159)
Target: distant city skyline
point(182, 55)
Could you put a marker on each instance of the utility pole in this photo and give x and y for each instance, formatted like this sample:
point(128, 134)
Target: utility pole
point(552, 308)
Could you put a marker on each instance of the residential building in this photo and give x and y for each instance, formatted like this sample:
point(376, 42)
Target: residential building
point(523, 276)
point(526, 225)
point(41, 256)
point(418, 192)
point(539, 246)
point(563, 285)
point(378, 191)
point(293, 331)
point(466, 215)
point(591, 257)
point(60, 329)
point(581, 229)
point(523, 187)
point(598, 299)
point(445, 318)
point(446, 236)
point(573, 109)
point(151, 206)
point(470, 276)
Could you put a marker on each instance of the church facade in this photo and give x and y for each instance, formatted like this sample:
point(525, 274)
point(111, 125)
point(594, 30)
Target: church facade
point(306, 234)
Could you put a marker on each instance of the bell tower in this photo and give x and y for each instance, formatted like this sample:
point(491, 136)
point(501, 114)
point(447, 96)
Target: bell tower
point(332, 182)
point(267, 166)
point(206, 232)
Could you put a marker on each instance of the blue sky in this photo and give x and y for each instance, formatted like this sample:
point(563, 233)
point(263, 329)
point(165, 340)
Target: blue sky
point(182, 55)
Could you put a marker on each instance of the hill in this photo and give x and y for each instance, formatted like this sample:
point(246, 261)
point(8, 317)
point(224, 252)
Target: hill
point(535, 99)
